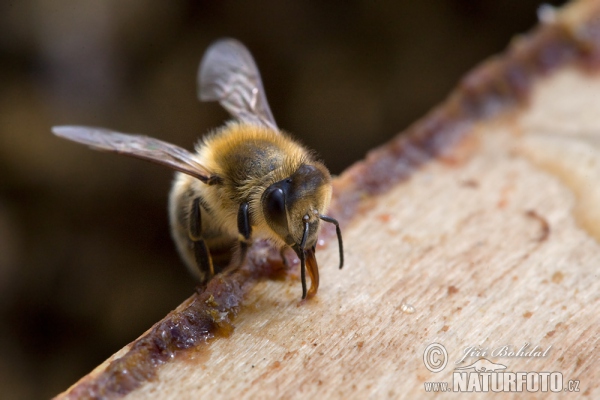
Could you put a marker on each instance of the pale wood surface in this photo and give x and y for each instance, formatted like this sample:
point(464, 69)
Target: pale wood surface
point(495, 244)
point(457, 243)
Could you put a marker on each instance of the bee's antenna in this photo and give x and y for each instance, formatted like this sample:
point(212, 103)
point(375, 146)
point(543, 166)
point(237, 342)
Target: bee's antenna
point(303, 272)
point(339, 236)
point(302, 255)
point(305, 233)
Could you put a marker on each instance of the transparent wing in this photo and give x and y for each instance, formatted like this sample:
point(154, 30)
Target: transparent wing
point(229, 75)
point(138, 146)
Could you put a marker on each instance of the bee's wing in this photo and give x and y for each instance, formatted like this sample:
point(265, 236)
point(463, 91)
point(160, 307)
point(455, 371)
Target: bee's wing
point(138, 146)
point(229, 75)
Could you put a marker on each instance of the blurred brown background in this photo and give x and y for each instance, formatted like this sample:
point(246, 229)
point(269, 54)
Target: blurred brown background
point(86, 260)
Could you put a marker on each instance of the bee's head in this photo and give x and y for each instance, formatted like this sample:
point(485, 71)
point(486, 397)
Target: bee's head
point(293, 208)
point(292, 203)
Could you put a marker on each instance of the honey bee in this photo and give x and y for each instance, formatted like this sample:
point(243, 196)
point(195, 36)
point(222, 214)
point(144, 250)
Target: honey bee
point(245, 180)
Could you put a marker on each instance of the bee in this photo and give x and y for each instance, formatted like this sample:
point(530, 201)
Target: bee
point(245, 180)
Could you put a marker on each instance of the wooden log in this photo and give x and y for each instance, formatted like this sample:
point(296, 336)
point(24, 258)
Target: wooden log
point(478, 229)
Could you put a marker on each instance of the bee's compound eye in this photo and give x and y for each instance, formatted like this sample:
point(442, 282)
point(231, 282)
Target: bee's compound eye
point(274, 208)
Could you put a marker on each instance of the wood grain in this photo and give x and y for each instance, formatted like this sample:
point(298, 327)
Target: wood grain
point(492, 242)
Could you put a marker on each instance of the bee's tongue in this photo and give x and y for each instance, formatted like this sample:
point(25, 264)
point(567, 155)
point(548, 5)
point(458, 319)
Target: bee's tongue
point(313, 271)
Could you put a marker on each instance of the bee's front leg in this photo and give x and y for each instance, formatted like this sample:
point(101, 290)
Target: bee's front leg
point(201, 251)
point(245, 229)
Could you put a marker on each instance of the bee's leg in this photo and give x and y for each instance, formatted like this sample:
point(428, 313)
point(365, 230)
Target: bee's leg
point(245, 229)
point(201, 252)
